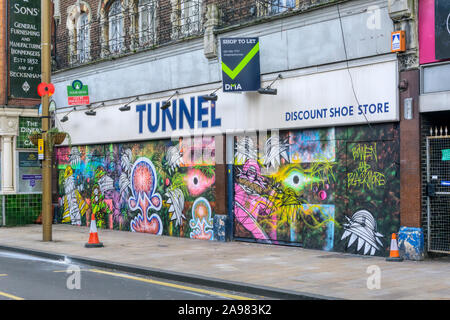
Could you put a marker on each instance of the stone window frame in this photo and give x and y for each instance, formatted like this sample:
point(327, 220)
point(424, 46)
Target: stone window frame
point(186, 20)
point(266, 8)
point(74, 13)
point(147, 37)
point(103, 15)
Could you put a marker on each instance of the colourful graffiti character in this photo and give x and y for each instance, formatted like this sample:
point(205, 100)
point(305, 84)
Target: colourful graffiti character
point(73, 203)
point(99, 206)
point(143, 186)
point(201, 222)
point(250, 202)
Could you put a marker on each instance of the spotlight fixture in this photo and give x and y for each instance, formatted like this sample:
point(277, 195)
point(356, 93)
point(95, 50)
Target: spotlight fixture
point(212, 96)
point(269, 89)
point(167, 103)
point(91, 111)
point(127, 107)
point(66, 117)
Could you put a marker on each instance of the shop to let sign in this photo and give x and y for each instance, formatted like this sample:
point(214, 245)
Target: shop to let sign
point(77, 94)
point(24, 48)
point(240, 64)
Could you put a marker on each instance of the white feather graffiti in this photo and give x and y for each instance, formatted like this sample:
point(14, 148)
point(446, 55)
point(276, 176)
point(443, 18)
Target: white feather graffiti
point(176, 201)
point(362, 227)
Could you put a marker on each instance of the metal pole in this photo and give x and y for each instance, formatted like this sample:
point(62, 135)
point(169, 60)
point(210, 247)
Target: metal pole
point(46, 163)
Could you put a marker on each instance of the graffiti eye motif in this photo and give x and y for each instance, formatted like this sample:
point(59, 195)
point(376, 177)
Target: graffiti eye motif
point(295, 179)
point(197, 182)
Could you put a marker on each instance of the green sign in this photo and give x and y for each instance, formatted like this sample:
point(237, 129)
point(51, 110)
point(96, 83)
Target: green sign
point(77, 94)
point(28, 160)
point(24, 48)
point(446, 155)
point(27, 126)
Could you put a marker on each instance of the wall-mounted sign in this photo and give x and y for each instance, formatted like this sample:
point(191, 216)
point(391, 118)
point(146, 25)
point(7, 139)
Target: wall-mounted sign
point(41, 149)
point(442, 29)
point(24, 48)
point(77, 94)
point(398, 41)
point(446, 155)
point(28, 160)
point(27, 126)
point(240, 64)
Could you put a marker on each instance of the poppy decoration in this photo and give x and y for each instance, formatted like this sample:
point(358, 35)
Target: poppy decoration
point(45, 88)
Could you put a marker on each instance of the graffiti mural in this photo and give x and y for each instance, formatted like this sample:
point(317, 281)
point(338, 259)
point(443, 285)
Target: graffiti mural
point(330, 189)
point(158, 187)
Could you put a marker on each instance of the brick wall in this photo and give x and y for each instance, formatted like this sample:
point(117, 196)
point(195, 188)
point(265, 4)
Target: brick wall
point(410, 206)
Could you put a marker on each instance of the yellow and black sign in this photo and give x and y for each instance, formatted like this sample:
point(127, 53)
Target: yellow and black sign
point(41, 149)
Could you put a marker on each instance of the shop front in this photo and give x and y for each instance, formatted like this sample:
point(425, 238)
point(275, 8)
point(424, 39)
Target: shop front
point(316, 165)
point(434, 38)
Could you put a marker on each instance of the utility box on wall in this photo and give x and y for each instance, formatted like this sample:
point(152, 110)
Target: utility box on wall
point(411, 243)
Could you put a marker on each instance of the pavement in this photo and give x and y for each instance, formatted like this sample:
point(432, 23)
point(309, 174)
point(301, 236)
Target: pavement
point(280, 272)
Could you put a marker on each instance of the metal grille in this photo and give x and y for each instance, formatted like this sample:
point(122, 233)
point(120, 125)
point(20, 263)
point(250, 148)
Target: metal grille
point(438, 192)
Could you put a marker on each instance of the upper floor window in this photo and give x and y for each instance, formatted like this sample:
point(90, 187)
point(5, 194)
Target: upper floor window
point(78, 27)
point(186, 17)
point(278, 6)
point(147, 21)
point(271, 7)
point(116, 27)
point(83, 38)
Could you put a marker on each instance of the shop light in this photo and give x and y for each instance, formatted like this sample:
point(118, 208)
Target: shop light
point(66, 117)
point(212, 96)
point(127, 107)
point(91, 111)
point(269, 89)
point(167, 103)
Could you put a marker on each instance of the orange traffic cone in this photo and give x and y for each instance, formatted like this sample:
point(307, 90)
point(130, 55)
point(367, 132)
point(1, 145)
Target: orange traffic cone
point(93, 236)
point(394, 254)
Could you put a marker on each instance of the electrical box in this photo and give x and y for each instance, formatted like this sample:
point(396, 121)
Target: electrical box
point(398, 41)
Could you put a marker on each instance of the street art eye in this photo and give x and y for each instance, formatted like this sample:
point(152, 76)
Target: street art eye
point(197, 182)
point(295, 179)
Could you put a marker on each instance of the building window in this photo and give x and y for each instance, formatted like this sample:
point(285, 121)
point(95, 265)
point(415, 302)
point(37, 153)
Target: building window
point(278, 6)
point(186, 18)
point(116, 28)
point(147, 10)
point(78, 27)
point(272, 7)
point(83, 38)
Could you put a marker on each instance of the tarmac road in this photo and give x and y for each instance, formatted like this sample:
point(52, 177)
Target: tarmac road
point(26, 277)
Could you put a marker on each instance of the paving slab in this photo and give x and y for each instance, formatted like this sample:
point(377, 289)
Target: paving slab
point(288, 269)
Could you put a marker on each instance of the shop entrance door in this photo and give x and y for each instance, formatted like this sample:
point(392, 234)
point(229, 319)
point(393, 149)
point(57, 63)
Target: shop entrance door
point(438, 191)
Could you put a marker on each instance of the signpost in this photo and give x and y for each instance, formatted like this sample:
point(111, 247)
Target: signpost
point(24, 48)
point(240, 64)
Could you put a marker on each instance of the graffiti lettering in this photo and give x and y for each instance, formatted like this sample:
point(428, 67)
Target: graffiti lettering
point(364, 176)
